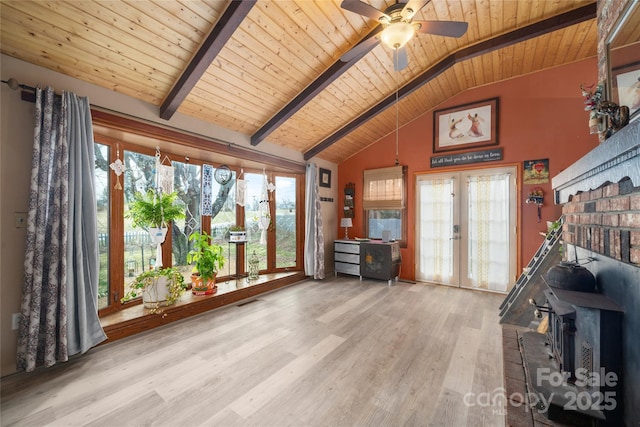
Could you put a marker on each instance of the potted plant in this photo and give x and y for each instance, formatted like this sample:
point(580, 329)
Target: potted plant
point(237, 233)
point(208, 259)
point(152, 211)
point(158, 287)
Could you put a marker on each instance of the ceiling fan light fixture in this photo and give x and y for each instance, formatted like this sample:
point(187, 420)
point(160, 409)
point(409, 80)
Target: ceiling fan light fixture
point(407, 13)
point(396, 35)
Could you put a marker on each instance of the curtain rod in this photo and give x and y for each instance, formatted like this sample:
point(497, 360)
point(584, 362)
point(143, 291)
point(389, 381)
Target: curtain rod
point(28, 92)
point(31, 97)
point(14, 84)
point(230, 145)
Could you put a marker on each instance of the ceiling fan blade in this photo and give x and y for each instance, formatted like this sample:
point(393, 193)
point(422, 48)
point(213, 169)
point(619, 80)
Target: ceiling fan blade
point(359, 50)
point(400, 59)
point(443, 28)
point(415, 6)
point(363, 9)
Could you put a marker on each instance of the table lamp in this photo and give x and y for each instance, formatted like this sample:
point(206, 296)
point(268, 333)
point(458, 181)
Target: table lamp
point(346, 223)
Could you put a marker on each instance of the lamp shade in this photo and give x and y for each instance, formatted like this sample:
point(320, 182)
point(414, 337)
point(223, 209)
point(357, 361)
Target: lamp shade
point(396, 35)
point(346, 222)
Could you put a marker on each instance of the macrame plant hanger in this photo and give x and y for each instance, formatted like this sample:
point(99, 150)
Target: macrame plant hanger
point(163, 184)
point(241, 187)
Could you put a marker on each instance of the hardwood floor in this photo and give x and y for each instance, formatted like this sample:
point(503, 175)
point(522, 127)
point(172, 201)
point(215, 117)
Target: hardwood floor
point(337, 352)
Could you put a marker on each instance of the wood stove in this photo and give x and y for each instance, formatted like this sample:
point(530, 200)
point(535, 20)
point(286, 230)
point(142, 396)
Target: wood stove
point(584, 332)
point(575, 369)
point(561, 334)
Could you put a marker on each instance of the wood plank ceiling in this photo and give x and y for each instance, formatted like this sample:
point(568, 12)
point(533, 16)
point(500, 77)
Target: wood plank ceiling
point(246, 67)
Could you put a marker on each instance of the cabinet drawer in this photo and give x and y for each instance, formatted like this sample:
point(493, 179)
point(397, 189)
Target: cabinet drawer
point(342, 267)
point(352, 258)
point(346, 247)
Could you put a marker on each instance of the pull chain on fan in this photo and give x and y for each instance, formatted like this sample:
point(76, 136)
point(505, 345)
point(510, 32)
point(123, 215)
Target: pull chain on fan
point(395, 77)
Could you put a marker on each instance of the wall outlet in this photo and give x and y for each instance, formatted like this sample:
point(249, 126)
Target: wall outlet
point(15, 321)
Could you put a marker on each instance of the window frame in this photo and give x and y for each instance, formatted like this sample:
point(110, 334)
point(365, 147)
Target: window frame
point(385, 205)
point(172, 142)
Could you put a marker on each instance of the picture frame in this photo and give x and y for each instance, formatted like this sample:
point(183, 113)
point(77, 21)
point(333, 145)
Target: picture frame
point(625, 85)
point(325, 178)
point(466, 126)
point(535, 171)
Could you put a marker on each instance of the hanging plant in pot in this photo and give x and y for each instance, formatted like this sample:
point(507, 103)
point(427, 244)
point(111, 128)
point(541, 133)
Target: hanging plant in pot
point(208, 259)
point(152, 211)
point(158, 288)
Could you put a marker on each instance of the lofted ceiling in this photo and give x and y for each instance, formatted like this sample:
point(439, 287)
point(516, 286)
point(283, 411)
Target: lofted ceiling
point(271, 69)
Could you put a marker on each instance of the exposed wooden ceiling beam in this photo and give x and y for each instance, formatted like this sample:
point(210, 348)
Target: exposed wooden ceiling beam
point(317, 86)
point(213, 44)
point(519, 35)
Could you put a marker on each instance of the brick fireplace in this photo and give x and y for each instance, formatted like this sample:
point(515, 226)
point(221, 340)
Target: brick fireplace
point(606, 221)
point(600, 197)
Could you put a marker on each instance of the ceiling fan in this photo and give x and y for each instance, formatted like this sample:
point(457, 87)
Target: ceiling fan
point(398, 28)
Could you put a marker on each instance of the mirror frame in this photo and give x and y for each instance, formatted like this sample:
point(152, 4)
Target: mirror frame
point(631, 10)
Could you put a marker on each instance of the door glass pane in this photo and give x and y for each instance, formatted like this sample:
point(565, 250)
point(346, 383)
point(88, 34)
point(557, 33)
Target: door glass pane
point(139, 252)
point(186, 182)
point(285, 222)
point(488, 231)
point(436, 221)
point(254, 194)
point(103, 202)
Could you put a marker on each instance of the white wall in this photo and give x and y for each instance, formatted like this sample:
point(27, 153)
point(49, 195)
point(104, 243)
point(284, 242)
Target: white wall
point(15, 169)
point(16, 120)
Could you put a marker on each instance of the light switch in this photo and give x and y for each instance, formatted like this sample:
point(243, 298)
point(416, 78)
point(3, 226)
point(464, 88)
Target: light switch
point(15, 321)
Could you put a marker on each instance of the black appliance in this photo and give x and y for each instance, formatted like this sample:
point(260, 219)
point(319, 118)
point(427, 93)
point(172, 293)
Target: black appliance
point(380, 260)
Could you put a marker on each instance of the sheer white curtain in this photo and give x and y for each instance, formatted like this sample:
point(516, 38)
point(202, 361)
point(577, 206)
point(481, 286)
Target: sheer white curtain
point(435, 230)
point(59, 314)
point(488, 225)
point(314, 237)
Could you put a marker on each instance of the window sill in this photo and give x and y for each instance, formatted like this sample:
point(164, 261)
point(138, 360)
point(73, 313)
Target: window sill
point(136, 319)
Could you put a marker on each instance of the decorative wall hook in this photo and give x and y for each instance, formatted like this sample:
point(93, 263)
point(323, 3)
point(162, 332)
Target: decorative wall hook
point(536, 196)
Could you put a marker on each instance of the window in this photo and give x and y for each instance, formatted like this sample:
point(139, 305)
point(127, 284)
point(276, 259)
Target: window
point(285, 217)
point(139, 252)
point(125, 251)
point(186, 182)
point(384, 202)
point(224, 215)
point(274, 219)
point(102, 198)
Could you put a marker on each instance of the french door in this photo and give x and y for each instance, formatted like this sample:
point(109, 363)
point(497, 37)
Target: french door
point(466, 228)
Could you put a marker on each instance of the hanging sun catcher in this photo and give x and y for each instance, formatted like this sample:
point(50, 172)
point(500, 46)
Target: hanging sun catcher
point(118, 168)
point(207, 190)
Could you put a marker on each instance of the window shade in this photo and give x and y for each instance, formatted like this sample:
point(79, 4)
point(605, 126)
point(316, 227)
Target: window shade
point(384, 188)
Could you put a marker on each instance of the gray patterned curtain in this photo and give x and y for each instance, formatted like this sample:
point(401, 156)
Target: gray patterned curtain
point(59, 295)
point(314, 238)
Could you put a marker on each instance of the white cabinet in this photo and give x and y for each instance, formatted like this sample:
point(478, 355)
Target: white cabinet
point(346, 254)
